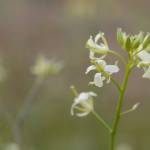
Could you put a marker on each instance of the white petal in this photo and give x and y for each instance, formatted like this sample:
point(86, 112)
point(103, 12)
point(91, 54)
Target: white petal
point(91, 56)
point(111, 69)
point(93, 44)
point(90, 42)
point(101, 46)
point(83, 96)
point(90, 68)
point(92, 94)
point(144, 56)
point(97, 37)
point(98, 79)
point(147, 74)
point(83, 114)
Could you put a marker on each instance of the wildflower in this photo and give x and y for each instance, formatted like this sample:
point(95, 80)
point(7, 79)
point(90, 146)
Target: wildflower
point(94, 46)
point(145, 63)
point(147, 73)
point(104, 72)
point(83, 103)
point(144, 57)
point(45, 67)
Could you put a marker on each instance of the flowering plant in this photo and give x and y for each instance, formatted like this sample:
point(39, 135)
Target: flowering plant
point(137, 48)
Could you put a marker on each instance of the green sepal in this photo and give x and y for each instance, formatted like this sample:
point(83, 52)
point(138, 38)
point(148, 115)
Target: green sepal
point(146, 41)
point(128, 44)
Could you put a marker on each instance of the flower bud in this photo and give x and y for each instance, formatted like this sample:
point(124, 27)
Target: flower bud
point(146, 41)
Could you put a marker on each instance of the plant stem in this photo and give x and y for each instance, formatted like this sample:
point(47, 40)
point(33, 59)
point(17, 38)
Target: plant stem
point(116, 84)
point(119, 108)
point(103, 122)
point(25, 109)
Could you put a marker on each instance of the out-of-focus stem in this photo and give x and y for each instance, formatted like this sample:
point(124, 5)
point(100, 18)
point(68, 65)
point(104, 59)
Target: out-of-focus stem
point(119, 109)
point(24, 110)
point(102, 121)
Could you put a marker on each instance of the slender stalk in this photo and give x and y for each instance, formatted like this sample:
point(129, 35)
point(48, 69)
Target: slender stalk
point(28, 102)
point(103, 122)
point(116, 84)
point(119, 108)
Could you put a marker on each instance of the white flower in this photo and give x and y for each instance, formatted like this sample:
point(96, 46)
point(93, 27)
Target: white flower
point(83, 103)
point(99, 77)
point(145, 63)
point(93, 44)
point(98, 80)
point(144, 56)
point(90, 68)
point(147, 73)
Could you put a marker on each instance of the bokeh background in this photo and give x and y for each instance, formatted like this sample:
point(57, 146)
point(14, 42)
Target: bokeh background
point(59, 29)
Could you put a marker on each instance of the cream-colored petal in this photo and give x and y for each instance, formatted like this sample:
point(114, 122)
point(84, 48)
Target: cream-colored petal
point(98, 80)
point(82, 114)
point(147, 74)
point(90, 68)
point(144, 56)
point(92, 94)
point(97, 37)
point(111, 69)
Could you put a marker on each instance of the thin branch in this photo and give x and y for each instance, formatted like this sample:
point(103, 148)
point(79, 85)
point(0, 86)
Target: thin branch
point(25, 109)
point(102, 121)
point(116, 84)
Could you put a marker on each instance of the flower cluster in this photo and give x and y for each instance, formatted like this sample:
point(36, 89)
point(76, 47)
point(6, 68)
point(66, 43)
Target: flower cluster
point(138, 47)
point(138, 50)
point(104, 71)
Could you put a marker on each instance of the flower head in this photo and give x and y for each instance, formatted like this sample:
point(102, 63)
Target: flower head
point(132, 43)
point(144, 63)
point(144, 57)
point(83, 103)
point(97, 47)
point(45, 67)
point(104, 72)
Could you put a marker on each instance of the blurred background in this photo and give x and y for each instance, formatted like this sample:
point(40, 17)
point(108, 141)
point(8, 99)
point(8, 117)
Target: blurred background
point(59, 29)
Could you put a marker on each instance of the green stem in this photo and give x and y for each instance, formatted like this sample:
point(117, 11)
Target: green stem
point(25, 109)
point(119, 108)
point(103, 122)
point(116, 84)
